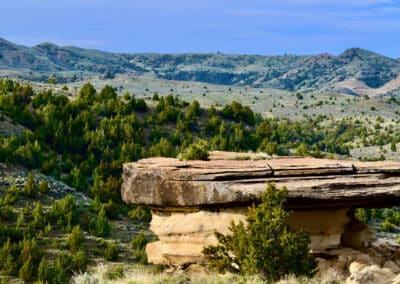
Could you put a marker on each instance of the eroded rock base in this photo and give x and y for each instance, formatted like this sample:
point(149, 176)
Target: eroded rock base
point(344, 247)
point(183, 235)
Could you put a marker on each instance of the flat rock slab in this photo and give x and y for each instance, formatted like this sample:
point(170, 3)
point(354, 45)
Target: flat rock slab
point(221, 182)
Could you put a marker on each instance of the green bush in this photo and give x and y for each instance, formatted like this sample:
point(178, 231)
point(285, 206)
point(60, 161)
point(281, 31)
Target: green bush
point(44, 272)
point(100, 226)
point(363, 214)
point(387, 226)
point(43, 187)
point(114, 274)
point(140, 256)
point(39, 217)
point(196, 151)
point(140, 214)
point(12, 194)
point(8, 262)
point(30, 189)
point(111, 252)
point(80, 261)
point(76, 239)
point(64, 212)
point(266, 246)
point(26, 272)
point(138, 244)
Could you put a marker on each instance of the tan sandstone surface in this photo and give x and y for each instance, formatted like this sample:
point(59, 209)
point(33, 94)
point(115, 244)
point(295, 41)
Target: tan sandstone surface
point(191, 199)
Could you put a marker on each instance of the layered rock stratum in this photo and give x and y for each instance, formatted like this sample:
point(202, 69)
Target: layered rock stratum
point(192, 199)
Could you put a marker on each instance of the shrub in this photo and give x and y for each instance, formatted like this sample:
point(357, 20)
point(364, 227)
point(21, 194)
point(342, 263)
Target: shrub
point(44, 272)
point(76, 239)
point(30, 189)
point(100, 226)
point(138, 244)
point(140, 256)
point(26, 272)
point(266, 245)
point(64, 212)
point(302, 150)
point(12, 194)
point(363, 214)
point(140, 214)
point(196, 151)
point(39, 218)
point(8, 264)
point(80, 261)
point(115, 273)
point(111, 252)
point(387, 226)
point(63, 267)
point(112, 209)
point(43, 187)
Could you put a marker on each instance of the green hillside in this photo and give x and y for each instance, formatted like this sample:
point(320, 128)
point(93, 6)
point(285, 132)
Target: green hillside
point(61, 160)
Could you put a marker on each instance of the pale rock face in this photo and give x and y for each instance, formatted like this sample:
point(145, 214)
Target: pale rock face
point(183, 235)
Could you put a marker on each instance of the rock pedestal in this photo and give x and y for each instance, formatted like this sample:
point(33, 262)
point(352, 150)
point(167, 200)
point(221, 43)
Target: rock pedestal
point(191, 199)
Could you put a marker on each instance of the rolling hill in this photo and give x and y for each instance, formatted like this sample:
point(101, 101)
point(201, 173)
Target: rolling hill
point(356, 71)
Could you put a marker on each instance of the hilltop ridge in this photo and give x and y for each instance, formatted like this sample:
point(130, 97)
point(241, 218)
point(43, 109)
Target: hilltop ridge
point(356, 71)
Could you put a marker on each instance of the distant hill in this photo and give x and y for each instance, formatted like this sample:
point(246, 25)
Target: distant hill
point(356, 71)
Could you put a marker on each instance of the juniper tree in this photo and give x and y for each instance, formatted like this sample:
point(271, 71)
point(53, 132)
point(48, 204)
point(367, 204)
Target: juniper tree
point(266, 245)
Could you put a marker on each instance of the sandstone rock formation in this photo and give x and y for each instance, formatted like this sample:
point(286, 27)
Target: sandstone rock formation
point(191, 199)
point(312, 183)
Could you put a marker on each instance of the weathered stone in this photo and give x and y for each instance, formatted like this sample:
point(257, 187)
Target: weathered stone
point(312, 183)
point(357, 235)
point(392, 266)
point(191, 199)
point(369, 274)
point(327, 269)
point(183, 235)
point(325, 226)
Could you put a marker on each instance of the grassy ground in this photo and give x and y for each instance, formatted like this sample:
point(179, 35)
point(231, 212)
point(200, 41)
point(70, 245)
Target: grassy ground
point(145, 275)
point(268, 102)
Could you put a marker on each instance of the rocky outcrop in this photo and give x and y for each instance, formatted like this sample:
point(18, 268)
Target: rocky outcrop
point(312, 183)
point(192, 199)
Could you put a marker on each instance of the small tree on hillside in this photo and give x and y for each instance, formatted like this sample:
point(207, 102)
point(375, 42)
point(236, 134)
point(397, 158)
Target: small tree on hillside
point(30, 188)
point(99, 225)
point(266, 245)
point(76, 239)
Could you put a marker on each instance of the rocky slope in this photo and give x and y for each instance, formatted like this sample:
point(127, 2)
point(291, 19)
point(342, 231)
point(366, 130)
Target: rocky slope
point(355, 71)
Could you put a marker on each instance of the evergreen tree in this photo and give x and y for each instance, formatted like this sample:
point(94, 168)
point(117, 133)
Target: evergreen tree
point(100, 226)
point(30, 188)
point(75, 239)
point(266, 245)
point(196, 151)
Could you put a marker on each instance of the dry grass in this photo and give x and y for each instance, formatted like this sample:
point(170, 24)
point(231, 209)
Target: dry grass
point(142, 275)
point(145, 275)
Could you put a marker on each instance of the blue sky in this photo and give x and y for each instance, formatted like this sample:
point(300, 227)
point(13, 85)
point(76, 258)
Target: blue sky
point(228, 26)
